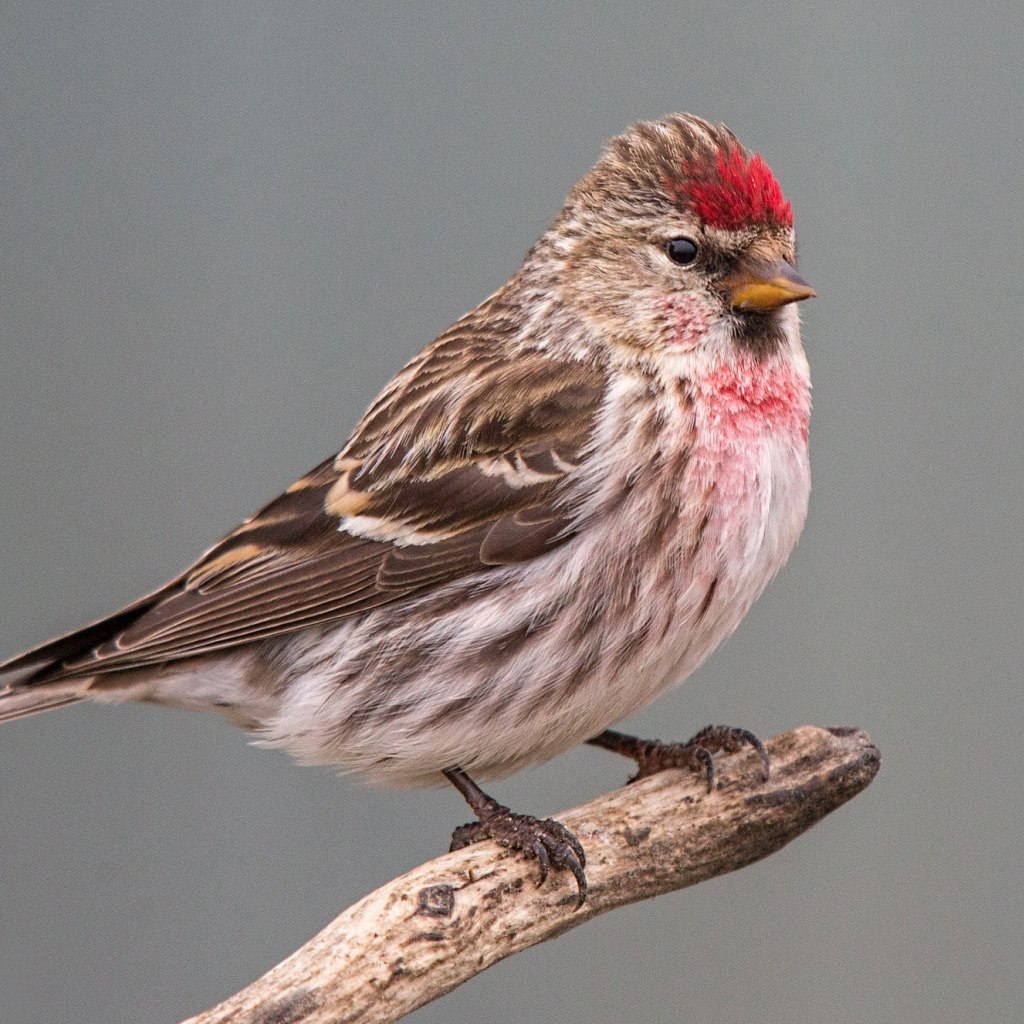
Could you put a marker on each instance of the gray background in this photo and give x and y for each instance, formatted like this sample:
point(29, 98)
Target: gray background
point(223, 227)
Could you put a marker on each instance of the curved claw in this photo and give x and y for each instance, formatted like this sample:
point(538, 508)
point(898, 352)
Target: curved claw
point(577, 846)
point(576, 865)
point(761, 752)
point(730, 740)
point(710, 772)
point(547, 840)
point(540, 851)
point(568, 853)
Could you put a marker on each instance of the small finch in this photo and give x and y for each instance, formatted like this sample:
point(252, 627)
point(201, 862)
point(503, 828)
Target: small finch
point(552, 514)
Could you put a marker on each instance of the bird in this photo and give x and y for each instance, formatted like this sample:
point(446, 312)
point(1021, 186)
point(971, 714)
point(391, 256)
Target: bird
point(550, 516)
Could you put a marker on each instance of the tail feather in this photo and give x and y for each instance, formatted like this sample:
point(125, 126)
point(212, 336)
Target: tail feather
point(38, 679)
point(45, 662)
point(22, 701)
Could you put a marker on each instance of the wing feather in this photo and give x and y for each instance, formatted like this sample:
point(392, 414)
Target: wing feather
point(464, 463)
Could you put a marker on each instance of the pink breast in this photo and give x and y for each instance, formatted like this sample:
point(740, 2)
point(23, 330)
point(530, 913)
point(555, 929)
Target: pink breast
point(747, 398)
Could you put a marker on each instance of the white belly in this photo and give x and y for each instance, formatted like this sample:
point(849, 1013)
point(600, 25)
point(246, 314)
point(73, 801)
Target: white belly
point(753, 530)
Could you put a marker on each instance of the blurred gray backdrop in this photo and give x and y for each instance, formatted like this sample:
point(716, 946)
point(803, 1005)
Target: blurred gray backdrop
point(224, 226)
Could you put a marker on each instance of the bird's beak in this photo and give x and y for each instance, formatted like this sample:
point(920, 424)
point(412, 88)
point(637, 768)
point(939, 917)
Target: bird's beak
point(766, 287)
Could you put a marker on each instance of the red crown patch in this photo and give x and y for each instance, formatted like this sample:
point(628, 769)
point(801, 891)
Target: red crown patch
point(735, 192)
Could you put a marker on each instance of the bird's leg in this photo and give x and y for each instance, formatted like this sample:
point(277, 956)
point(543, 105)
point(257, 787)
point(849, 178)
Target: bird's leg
point(696, 754)
point(549, 841)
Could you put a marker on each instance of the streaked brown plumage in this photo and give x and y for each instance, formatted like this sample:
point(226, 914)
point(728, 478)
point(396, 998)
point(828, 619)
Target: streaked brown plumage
point(551, 514)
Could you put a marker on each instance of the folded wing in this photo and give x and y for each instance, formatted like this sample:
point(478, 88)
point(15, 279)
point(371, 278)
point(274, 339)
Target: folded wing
point(465, 462)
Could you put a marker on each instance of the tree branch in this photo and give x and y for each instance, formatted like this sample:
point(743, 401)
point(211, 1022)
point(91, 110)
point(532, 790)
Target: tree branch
point(445, 921)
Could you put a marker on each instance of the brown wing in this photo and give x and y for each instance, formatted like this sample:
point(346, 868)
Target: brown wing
point(460, 465)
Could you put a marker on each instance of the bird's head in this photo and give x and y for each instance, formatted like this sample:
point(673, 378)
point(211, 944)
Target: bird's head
point(679, 239)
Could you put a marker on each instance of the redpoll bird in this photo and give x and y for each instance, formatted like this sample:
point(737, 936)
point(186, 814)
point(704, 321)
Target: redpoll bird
point(555, 512)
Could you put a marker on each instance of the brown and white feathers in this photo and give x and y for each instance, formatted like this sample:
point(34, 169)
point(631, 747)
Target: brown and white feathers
point(551, 514)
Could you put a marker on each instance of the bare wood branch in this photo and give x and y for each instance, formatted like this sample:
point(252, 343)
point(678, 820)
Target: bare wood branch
point(445, 921)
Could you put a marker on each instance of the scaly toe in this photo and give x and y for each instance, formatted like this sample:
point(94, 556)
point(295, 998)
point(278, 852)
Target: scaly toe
point(730, 740)
point(466, 835)
point(548, 841)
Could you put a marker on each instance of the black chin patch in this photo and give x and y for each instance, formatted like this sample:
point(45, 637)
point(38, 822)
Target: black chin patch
point(761, 334)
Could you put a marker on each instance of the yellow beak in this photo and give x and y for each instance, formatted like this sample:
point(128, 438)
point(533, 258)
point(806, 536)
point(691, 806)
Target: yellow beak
point(766, 287)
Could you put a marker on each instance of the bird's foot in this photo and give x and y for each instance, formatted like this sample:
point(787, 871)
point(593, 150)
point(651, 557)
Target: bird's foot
point(696, 754)
point(547, 840)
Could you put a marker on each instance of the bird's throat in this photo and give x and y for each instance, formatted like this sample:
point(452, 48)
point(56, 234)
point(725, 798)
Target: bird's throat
point(751, 394)
point(760, 334)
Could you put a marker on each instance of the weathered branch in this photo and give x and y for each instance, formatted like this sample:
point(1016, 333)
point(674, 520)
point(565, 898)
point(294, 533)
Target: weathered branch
point(445, 921)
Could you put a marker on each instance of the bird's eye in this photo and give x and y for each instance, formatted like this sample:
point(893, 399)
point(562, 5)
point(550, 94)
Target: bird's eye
point(681, 250)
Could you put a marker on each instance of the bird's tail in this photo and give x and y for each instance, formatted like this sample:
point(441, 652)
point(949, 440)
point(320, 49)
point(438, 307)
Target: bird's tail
point(22, 701)
point(41, 679)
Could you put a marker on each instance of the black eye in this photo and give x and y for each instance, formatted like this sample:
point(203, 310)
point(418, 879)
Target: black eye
point(681, 250)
